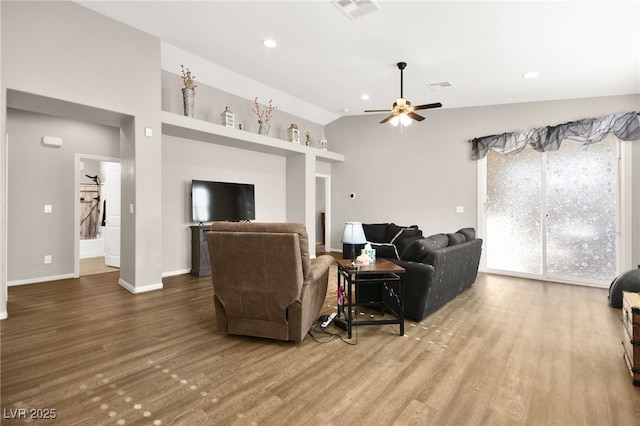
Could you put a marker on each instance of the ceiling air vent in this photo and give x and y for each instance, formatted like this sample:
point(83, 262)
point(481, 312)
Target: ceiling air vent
point(441, 85)
point(356, 8)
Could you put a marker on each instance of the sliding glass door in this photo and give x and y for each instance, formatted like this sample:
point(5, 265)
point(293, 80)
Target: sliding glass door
point(554, 215)
point(514, 212)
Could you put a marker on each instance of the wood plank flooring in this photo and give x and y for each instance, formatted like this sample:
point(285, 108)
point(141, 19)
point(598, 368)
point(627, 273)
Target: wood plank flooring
point(94, 265)
point(505, 352)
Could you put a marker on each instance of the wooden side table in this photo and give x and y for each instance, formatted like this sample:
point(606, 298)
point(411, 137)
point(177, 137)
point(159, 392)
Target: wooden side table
point(382, 271)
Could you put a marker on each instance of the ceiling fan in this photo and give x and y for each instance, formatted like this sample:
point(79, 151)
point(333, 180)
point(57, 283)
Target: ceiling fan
point(402, 110)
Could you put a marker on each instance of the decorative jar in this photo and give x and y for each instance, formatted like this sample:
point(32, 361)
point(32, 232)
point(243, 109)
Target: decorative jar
point(228, 118)
point(293, 133)
point(323, 143)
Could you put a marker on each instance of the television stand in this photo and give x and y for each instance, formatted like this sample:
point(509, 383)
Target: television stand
point(200, 265)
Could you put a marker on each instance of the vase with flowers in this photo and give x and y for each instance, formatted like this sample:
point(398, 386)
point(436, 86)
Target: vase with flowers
point(188, 91)
point(264, 115)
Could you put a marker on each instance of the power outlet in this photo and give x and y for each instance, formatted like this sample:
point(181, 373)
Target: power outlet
point(47, 259)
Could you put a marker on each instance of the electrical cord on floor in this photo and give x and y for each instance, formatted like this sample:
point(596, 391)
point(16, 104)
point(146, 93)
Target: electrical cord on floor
point(329, 336)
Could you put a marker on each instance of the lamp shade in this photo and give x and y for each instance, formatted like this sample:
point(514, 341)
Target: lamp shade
point(353, 233)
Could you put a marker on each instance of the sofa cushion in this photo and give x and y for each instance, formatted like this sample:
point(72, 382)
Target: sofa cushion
point(419, 249)
point(392, 231)
point(376, 232)
point(402, 243)
point(405, 233)
point(456, 238)
point(441, 240)
point(469, 233)
point(385, 250)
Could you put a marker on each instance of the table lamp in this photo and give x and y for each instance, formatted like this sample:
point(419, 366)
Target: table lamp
point(353, 234)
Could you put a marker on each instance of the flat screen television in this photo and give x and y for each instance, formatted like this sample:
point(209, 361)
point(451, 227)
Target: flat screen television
point(222, 201)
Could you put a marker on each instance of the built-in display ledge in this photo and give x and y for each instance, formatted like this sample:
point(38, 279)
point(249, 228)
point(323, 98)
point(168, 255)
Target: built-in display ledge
point(200, 130)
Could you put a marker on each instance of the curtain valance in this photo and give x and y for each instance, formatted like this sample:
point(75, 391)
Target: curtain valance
point(587, 131)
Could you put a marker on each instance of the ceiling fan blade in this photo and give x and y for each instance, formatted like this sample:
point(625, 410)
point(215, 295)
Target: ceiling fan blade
point(388, 118)
point(415, 116)
point(378, 110)
point(428, 106)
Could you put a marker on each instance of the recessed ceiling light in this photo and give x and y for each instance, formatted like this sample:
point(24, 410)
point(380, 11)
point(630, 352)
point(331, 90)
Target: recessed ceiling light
point(269, 42)
point(530, 74)
point(345, 109)
point(364, 97)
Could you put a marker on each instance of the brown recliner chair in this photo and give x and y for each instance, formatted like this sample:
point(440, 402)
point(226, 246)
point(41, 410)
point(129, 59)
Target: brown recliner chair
point(264, 283)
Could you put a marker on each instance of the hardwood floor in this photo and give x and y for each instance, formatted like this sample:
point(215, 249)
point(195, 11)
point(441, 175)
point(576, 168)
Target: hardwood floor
point(507, 351)
point(94, 265)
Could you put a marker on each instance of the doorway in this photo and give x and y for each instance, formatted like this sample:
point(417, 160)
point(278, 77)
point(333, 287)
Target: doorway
point(97, 235)
point(323, 213)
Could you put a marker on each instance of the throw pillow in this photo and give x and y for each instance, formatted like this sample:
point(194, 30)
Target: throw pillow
point(469, 233)
point(402, 243)
point(456, 238)
point(375, 232)
point(419, 249)
point(392, 231)
point(441, 240)
point(405, 233)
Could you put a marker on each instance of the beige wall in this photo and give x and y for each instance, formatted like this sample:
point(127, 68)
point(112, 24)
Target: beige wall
point(184, 160)
point(420, 175)
point(40, 175)
point(101, 69)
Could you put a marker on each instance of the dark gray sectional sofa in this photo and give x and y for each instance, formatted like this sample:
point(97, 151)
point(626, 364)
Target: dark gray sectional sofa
point(438, 267)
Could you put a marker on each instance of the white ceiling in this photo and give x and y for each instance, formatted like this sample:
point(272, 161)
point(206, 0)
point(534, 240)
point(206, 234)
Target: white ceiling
point(579, 48)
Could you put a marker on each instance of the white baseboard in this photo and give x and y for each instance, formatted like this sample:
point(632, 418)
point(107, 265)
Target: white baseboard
point(139, 289)
point(3, 315)
point(40, 279)
point(178, 272)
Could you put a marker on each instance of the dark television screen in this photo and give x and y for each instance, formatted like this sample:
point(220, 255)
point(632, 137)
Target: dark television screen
point(219, 201)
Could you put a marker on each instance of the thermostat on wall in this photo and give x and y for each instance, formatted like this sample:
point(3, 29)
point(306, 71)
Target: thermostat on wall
point(52, 141)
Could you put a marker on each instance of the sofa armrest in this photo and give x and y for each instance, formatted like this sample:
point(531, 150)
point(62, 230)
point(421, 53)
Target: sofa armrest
point(318, 268)
point(416, 281)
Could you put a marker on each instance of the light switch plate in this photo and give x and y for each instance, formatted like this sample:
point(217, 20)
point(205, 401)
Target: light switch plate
point(48, 208)
point(459, 209)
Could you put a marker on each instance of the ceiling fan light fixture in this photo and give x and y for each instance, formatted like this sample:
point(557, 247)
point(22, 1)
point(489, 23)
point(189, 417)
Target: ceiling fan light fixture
point(405, 120)
point(402, 112)
point(269, 42)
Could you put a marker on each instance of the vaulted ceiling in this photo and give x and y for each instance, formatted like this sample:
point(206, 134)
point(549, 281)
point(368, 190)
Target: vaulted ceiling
point(480, 48)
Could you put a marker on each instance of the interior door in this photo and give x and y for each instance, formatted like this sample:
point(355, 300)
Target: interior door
point(113, 215)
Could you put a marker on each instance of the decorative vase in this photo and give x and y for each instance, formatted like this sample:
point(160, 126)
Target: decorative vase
point(187, 98)
point(263, 128)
